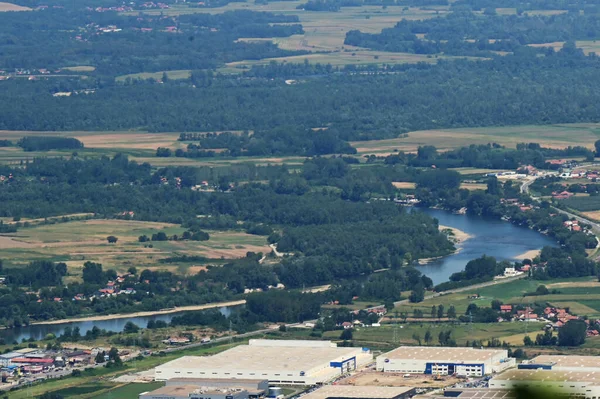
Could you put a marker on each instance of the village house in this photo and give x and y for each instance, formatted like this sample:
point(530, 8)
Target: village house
point(505, 308)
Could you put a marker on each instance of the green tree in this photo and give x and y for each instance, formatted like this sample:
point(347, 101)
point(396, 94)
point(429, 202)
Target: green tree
point(451, 312)
point(92, 273)
point(572, 333)
point(346, 335)
point(130, 328)
point(417, 294)
point(527, 341)
point(440, 311)
point(433, 311)
point(417, 338)
point(428, 338)
point(112, 239)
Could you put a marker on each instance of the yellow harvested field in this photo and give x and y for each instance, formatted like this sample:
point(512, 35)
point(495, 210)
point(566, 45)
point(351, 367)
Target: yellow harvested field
point(588, 46)
point(80, 241)
point(4, 7)
point(592, 215)
point(147, 141)
point(473, 186)
point(554, 136)
point(404, 185)
point(9, 242)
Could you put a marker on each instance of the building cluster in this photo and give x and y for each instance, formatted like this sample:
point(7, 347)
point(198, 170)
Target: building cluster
point(37, 361)
point(250, 371)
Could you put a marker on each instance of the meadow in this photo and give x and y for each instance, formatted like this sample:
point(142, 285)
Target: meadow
point(554, 136)
point(76, 242)
point(582, 295)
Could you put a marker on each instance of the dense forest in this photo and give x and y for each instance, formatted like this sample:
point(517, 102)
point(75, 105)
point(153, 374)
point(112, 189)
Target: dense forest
point(449, 94)
point(467, 33)
point(118, 45)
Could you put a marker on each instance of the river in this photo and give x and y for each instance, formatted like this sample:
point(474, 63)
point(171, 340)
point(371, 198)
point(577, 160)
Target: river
point(39, 331)
point(496, 238)
point(502, 240)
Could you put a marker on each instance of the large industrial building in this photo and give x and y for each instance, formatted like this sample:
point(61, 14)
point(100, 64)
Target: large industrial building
point(562, 363)
point(283, 362)
point(468, 362)
point(580, 384)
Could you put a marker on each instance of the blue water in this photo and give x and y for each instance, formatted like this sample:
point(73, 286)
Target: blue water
point(496, 238)
point(39, 331)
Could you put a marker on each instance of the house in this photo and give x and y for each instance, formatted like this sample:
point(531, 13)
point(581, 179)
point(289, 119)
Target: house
point(346, 325)
point(562, 195)
point(511, 272)
point(529, 317)
point(506, 308)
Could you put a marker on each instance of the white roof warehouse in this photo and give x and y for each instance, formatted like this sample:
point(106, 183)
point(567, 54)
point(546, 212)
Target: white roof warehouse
point(286, 362)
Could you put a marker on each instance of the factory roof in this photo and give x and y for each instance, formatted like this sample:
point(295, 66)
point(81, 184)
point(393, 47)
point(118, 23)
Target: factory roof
point(568, 361)
point(10, 355)
point(549, 375)
point(262, 359)
point(207, 381)
point(436, 353)
point(351, 391)
point(185, 390)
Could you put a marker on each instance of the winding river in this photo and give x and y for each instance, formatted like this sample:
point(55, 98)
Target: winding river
point(491, 237)
point(495, 238)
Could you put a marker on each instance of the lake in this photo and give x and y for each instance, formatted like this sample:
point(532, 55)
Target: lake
point(39, 331)
point(491, 237)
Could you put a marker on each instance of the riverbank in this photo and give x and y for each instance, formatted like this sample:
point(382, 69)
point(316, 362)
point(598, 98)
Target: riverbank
point(145, 314)
point(458, 235)
point(529, 254)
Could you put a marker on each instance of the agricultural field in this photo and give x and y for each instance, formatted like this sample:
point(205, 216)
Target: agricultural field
point(79, 241)
point(138, 145)
point(324, 32)
point(588, 46)
point(580, 290)
point(174, 75)
point(555, 136)
point(473, 186)
point(583, 203)
point(129, 390)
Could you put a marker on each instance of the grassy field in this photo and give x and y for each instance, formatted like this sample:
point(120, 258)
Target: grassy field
point(556, 136)
point(80, 241)
point(175, 75)
point(570, 291)
point(404, 185)
point(473, 186)
point(383, 337)
point(80, 68)
point(325, 31)
point(129, 390)
point(138, 145)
